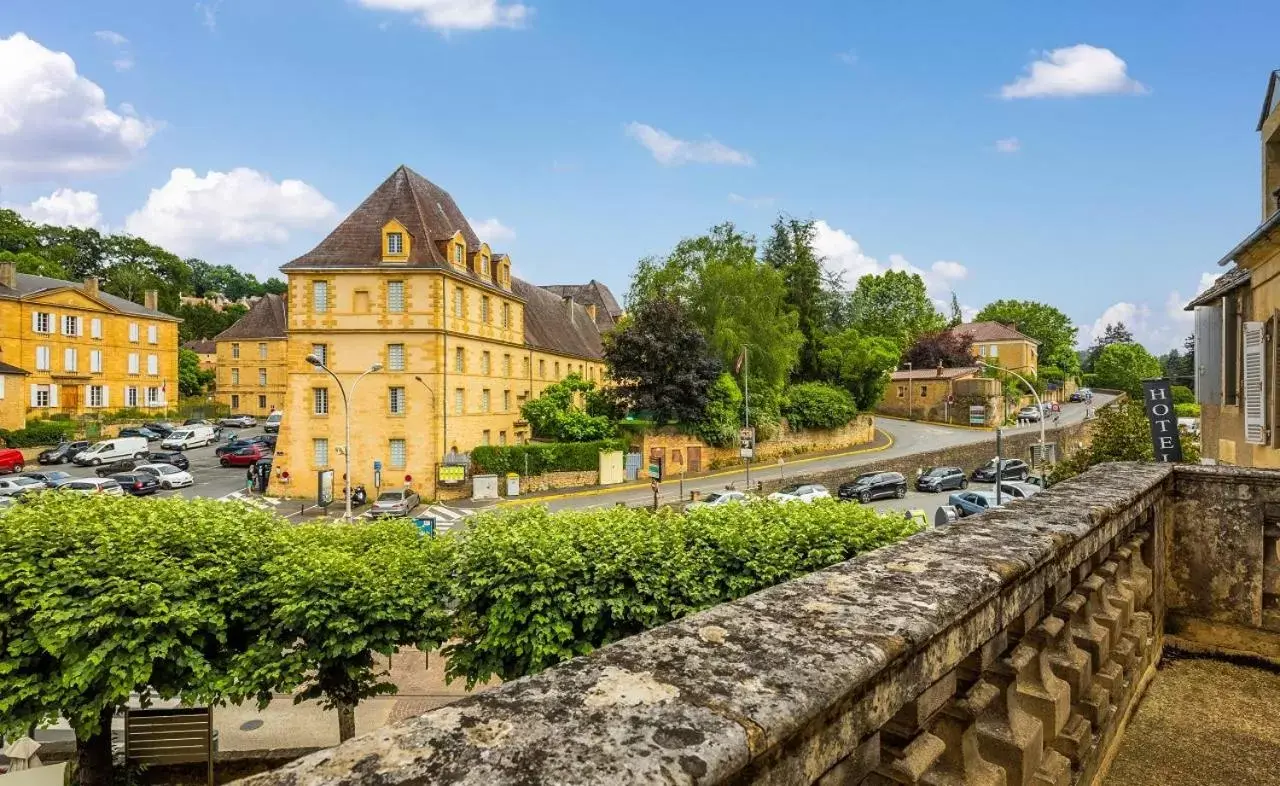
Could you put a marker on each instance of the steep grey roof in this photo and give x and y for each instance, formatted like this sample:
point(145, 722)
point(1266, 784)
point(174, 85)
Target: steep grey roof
point(265, 319)
point(593, 293)
point(991, 331)
point(1232, 279)
point(10, 369)
point(556, 326)
point(201, 347)
point(27, 284)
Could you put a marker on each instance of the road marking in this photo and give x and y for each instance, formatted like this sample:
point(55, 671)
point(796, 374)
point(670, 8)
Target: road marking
point(262, 503)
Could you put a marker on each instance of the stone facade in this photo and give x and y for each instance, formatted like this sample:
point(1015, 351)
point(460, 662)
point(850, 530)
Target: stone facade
point(549, 481)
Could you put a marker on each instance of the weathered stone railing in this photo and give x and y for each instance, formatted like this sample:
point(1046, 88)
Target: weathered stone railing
point(1008, 649)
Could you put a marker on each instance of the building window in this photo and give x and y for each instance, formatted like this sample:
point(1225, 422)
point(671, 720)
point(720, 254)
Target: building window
point(484, 309)
point(235, 400)
point(502, 438)
point(153, 334)
point(95, 361)
point(262, 350)
point(995, 351)
point(484, 265)
point(458, 253)
point(70, 326)
point(484, 400)
point(40, 396)
point(484, 437)
point(320, 296)
point(557, 369)
point(457, 302)
point(134, 368)
point(95, 328)
point(235, 376)
point(235, 351)
point(395, 357)
point(395, 400)
point(320, 451)
point(506, 365)
point(70, 359)
point(524, 367)
point(42, 358)
point(902, 391)
point(95, 396)
point(395, 243)
point(924, 391)
point(506, 401)
point(320, 401)
point(42, 322)
point(484, 362)
point(458, 396)
point(506, 315)
point(153, 365)
point(396, 448)
point(153, 397)
point(133, 333)
point(262, 377)
point(542, 369)
point(262, 402)
point(395, 296)
point(321, 351)
point(459, 360)
point(131, 397)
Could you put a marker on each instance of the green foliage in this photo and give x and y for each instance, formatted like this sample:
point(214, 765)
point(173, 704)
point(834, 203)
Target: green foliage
point(541, 588)
point(660, 362)
point(766, 412)
point(203, 321)
point(1182, 394)
point(34, 264)
point(1118, 333)
point(719, 423)
point(1188, 409)
point(818, 405)
point(859, 363)
point(38, 433)
point(1046, 324)
point(536, 458)
point(1120, 433)
point(1122, 366)
point(556, 413)
point(808, 293)
point(190, 380)
point(895, 305)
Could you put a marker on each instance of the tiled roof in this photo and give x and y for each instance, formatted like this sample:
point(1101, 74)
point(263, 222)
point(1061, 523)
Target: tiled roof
point(593, 293)
point(27, 284)
point(1233, 278)
point(266, 319)
point(201, 347)
point(991, 331)
point(6, 368)
point(925, 374)
point(556, 326)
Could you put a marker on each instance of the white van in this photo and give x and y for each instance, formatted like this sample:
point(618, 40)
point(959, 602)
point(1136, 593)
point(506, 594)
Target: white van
point(189, 437)
point(272, 426)
point(111, 450)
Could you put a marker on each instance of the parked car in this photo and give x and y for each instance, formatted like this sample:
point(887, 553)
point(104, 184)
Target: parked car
point(1016, 490)
point(62, 452)
point(49, 477)
point(1011, 469)
point(6, 503)
point(1030, 413)
point(874, 485)
point(234, 445)
point(243, 457)
point(971, 503)
point(395, 504)
point(239, 421)
point(168, 457)
point(189, 437)
point(272, 424)
point(170, 477)
point(717, 498)
point(11, 460)
point(112, 450)
point(117, 467)
point(138, 484)
point(93, 486)
point(17, 485)
point(140, 431)
point(942, 479)
point(163, 429)
point(801, 492)
point(268, 440)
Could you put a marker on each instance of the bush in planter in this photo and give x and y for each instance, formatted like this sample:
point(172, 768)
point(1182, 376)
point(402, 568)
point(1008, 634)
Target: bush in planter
point(536, 458)
point(818, 405)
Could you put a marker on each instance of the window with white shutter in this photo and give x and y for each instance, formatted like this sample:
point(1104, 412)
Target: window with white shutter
point(42, 358)
point(1255, 388)
point(70, 359)
point(131, 397)
point(95, 328)
point(153, 364)
point(70, 325)
point(53, 395)
point(133, 332)
point(153, 335)
point(106, 395)
point(133, 363)
point(95, 361)
point(1, 387)
point(1208, 354)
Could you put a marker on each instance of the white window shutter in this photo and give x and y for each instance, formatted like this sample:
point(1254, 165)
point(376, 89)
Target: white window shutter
point(85, 401)
point(95, 328)
point(106, 396)
point(53, 395)
point(1255, 384)
point(34, 390)
point(35, 326)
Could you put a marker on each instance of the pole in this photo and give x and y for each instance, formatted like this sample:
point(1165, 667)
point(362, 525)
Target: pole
point(910, 408)
point(746, 404)
point(1034, 394)
point(999, 466)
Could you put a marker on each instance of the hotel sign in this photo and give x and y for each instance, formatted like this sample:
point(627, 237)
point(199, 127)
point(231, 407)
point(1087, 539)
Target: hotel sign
point(1158, 399)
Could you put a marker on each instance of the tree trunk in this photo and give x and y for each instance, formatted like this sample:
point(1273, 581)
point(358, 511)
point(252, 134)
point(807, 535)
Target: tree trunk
point(93, 754)
point(346, 722)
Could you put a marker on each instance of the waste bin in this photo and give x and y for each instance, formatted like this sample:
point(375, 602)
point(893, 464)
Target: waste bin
point(426, 524)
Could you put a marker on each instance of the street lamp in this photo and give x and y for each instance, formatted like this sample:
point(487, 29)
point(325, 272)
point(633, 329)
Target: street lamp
point(443, 437)
point(346, 415)
point(910, 409)
point(1030, 387)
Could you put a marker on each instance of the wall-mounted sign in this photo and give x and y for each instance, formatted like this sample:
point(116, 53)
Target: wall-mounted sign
point(324, 488)
point(452, 474)
point(977, 415)
point(746, 442)
point(1158, 399)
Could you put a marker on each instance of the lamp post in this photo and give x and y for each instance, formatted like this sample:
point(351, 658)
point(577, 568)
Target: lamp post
point(1030, 387)
point(346, 416)
point(443, 437)
point(910, 409)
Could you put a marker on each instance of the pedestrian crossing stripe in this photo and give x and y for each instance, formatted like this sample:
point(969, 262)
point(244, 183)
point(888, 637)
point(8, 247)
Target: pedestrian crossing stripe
point(262, 503)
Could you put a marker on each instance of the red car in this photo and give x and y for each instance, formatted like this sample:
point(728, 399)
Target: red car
point(243, 457)
point(11, 460)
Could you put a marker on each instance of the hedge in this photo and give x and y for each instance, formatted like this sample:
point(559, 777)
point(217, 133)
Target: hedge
point(1191, 410)
point(38, 433)
point(818, 405)
point(536, 458)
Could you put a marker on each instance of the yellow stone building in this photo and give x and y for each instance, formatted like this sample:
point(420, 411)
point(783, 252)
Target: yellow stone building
point(1237, 328)
point(404, 282)
point(1001, 345)
point(206, 350)
point(251, 367)
point(70, 348)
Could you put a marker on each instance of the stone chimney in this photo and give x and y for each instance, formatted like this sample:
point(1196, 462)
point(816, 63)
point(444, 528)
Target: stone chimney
point(91, 286)
point(939, 368)
point(591, 311)
point(9, 274)
point(151, 299)
point(568, 308)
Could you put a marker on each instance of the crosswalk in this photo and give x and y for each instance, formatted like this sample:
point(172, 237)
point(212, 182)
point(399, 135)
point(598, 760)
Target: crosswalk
point(447, 518)
point(262, 503)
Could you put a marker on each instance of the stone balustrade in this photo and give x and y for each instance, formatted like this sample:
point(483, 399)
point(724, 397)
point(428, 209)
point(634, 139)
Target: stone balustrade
point(1007, 650)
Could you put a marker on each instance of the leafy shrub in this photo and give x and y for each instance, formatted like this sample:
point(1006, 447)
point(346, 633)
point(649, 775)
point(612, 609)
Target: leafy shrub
point(541, 588)
point(555, 413)
point(1120, 433)
point(721, 419)
point(1189, 410)
point(1182, 395)
point(38, 433)
point(818, 405)
point(539, 457)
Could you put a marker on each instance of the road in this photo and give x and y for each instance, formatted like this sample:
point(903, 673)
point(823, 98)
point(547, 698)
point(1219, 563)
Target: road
point(908, 438)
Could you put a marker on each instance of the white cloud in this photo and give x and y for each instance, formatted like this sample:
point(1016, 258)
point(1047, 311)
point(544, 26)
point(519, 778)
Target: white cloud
point(848, 57)
point(124, 58)
point(54, 121)
point(1008, 145)
point(492, 231)
point(670, 151)
point(111, 37)
point(1159, 330)
point(209, 13)
point(1074, 71)
point(764, 201)
point(458, 14)
point(64, 207)
point(223, 210)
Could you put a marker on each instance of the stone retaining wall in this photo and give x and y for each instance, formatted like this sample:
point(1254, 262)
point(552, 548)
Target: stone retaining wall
point(531, 484)
point(860, 431)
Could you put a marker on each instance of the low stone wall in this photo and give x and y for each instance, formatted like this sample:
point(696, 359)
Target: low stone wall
point(860, 431)
point(531, 484)
point(1009, 649)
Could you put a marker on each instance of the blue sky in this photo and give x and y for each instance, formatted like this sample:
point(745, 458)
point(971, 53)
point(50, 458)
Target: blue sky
point(1100, 157)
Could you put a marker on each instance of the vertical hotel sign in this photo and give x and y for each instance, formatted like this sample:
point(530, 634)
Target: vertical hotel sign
point(1164, 421)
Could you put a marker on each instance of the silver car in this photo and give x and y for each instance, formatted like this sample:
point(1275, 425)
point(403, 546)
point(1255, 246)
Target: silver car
point(18, 485)
point(395, 504)
point(239, 421)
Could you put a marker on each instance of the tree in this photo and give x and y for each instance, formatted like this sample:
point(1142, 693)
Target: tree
point(1123, 367)
point(861, 364)
point(190, 380)
point(558, 414)
point(1120, 433)
point(274, 286)
point(34, 264)
point(660, 362)
point(719, 423)
point(203, 321)
point(110, 597)
point(957, 314)
point(1046, 324)
point(818, 405)
point(940, 348)
point(790, 251)
point(894, 304)
point(1112, 334)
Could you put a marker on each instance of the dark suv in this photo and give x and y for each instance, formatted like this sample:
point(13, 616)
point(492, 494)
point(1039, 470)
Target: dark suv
point(62, 452)
point(1010, 469)
point(137, 484)
point(874, 485)
point(169, 457)
point(942, 479)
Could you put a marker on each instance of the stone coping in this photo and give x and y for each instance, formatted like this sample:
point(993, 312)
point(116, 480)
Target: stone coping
point(777, 686)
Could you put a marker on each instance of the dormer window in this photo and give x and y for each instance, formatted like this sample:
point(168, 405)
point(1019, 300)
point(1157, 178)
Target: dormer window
point(458, 254)
point(395, 243)
point(484, 265)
